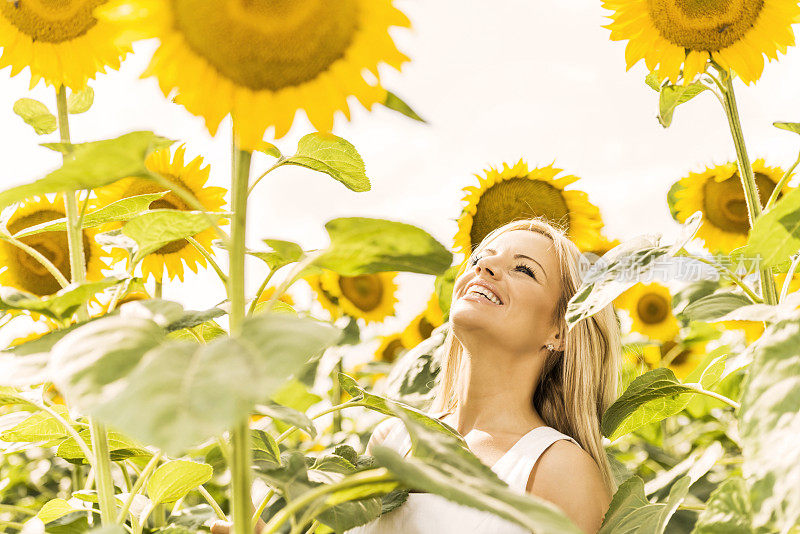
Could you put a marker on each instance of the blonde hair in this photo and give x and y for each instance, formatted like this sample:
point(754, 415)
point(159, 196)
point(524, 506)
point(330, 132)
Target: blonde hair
point(577, 384)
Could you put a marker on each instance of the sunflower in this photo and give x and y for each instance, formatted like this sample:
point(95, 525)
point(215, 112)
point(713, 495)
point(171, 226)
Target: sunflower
point(603, 245)
point(263, 61)
point(675, 34)
point(515, 193)
point(718, 193)
point(284, 303)
point(390, 348)
point(62, 42)
point(192, 176)
point(682, 359)
point(752, 329)
point(23, 271)
point(650, 308)
point(367, 296)
point(328, 301)
point(269, 291)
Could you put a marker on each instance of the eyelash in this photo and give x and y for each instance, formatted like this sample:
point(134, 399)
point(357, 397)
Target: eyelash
point(530, 272)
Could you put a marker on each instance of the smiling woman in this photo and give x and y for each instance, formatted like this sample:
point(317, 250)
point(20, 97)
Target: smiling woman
point(526, 394)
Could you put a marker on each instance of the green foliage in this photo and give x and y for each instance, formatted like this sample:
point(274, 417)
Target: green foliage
point(712, 307)
point(156, 228)
point(59, 306)
point(284, 253)
point(176, 478)
point(36, 115)
point(41, 426)
point(80, 101)
point(775, 236)
point(120, 447)
point(396, 103)
point(334, 156)
point(630, 511)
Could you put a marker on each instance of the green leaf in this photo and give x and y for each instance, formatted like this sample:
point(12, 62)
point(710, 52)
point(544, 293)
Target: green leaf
point(92, 165)
point(60, 305)
point(11, 397)
point(654, 396)
point(631, 512)
point(121, 210)
point(611, 275)
point(334, 156)
point(80, 101)
point(288, 415)
point(653, 81)
point(790, 126)
point(54, 509)
point(176, 478)
point(775, 236)
point(36, 115)
point(671, 96)
point(156, 228)
point(285, 252)
point(364, 246)
point(71, 523)
point(441, 464)
point(201, 390)
point(396, 103)
point(728, 511)
point(40, 426)
point(265, 446)
point(120, 448)
point(269, 149)
point(444, 289)
point(769, 422)
point(714, 306)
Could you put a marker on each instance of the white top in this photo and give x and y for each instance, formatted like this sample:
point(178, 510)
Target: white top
point(424, 513)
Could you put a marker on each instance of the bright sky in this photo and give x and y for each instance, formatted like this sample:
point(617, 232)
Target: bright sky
point(497, 81)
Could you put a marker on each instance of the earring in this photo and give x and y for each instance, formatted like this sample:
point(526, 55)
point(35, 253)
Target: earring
point(550, 347)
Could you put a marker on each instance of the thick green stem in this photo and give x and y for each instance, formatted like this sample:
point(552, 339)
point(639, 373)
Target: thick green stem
point(336, 408)
point(752, 199)
point(336, 396)
point(77, 265)
point(240, 436)
point(143, 476)
point(213, 503)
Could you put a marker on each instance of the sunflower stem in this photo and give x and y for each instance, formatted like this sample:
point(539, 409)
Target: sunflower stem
point(35, 254)
point(275, 165)
point(240, 435)
point(746, 175)
point(77, 265)
point(336, 397)
point(789, 275)
point(137, 486)
point(261, 289)
point(782, 182)
point(731, 276)
point(209, 258)
point(700, 389)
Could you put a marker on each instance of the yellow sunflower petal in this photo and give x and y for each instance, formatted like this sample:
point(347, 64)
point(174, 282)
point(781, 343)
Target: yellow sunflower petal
point(368, 296)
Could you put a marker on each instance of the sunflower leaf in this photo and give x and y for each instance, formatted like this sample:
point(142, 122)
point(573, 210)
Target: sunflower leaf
point(671, 96)
point(775, 235)
point(334, 156)
point(790, 126)
point(712, 307)
point(121, 210)
point(92, 165)
point(653, 396)
point(288, 415)
point(40, 426)
point(444, 289)
point(36, 115)
point(396, 103)
point(176, 478)
point(154, 229)
point(120, 447)
point(728, 510)
point(80, 101)
point(631, 512)
point(366, 246)
point(60, 305)
point(285, 252)
point(269, 149)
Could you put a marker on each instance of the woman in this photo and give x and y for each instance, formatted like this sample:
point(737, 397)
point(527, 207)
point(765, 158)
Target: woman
point(526, 395)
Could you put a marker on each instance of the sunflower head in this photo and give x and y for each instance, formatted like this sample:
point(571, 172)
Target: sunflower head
point(62, 42)
point(328, 301)
point(680, 37)
point(682, 359)
point(190, 175)
point(23, 271)
point(390, 348)
point(367, 296)
point(650, 308)
point(517, 192)
point(263, 61)
point(718, 193)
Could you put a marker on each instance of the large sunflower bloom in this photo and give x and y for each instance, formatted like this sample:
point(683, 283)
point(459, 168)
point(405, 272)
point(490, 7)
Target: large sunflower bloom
point(718, 193)
point(367, 296)
point(61, 41)
point(515, 193)
point(24, 271)
point(192, 176)
point(682, 363)
point(675, 34)
point(263, 61)
point(650, 308)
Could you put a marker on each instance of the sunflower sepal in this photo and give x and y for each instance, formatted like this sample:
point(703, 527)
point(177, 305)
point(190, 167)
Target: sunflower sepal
point(36, 115)
point(80, 101)
point(671, 96)
point(395, 103)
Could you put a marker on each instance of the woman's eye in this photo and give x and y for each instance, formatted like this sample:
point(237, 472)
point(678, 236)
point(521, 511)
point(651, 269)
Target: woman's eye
point(474, 261)
point(525, 269)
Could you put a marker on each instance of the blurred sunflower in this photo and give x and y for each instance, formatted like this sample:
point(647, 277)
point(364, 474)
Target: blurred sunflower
point(285, 302)
point(192, 176)
point(603, 245)
point(682, 359)
point(516, 192)
point(269, 291)
point(421, 326)
point(328, 301)
point(25, 272)
point(263, 61)
point(675, 34)
point(752, 329)
point(650, 308)
point(794, 284)
point(367, 296)
point(62, 42)
point(390, 348)
point(135, 291)
point(718, 193)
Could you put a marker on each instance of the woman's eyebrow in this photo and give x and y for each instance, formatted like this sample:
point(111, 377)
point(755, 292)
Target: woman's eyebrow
point(516, 256)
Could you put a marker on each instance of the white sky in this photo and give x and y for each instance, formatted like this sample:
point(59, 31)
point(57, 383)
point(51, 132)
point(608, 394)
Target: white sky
point(497, 81)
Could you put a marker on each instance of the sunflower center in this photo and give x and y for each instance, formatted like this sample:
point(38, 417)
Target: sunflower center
point(677, 360)
point(652, 308)
point(391, 350)
point(517, 198)
point(51, 21)
point(364, 291)
point(32, 275)
point(268, 44)
point(704, 24)
point(724, 204)
point(170, 201)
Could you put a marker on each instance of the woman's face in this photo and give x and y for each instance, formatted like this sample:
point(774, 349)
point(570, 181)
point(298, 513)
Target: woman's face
point(519, 271)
